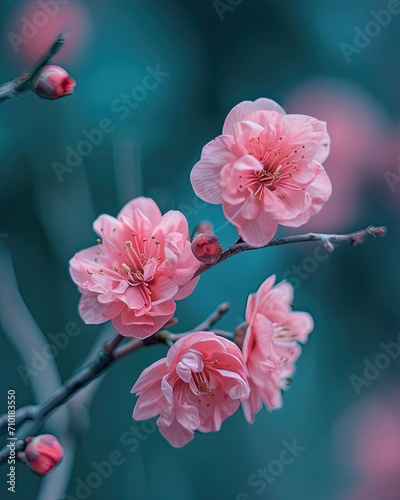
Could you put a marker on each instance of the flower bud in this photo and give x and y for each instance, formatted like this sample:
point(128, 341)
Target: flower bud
point(43, 453)
point(53, 82)
point(207, 248)
point(240, 334)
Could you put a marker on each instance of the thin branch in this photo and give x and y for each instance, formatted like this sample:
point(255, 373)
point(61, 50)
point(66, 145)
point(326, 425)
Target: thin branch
point(131, 346)
point(36, 415)
point(354, 239)
point(23, 82)
point(213, 318)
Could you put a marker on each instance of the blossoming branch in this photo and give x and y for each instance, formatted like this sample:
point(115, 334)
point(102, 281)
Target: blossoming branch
point(265, 170)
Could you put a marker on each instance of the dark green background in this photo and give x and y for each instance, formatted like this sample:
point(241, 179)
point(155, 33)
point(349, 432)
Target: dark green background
point(260, 48)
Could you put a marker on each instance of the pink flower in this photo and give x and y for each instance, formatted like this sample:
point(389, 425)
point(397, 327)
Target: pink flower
point(142, 265)
point(265, 169)
point(196, 387)
point(270, 347)
point(43, 453)
point(53, 82)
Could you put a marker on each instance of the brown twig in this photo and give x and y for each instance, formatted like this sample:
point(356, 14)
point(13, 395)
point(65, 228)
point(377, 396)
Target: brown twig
point(354, 239)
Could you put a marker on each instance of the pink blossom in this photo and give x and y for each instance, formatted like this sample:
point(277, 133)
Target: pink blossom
point(53, 82)
point(196, 387)
point(270, 347)
point(265, 169)
point(143, 263)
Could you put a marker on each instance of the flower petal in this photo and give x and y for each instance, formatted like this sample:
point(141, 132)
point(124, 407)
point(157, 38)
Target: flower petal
point(241, 110)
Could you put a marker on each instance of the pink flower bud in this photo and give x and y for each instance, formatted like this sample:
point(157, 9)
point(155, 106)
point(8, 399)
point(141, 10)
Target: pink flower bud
point(43, 453)
point(207, 248)
point(53, 82)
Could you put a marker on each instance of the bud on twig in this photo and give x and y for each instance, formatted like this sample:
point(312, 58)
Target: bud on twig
point(43, 453)
point(207, 248)
point(53, 82)
point(240, 334)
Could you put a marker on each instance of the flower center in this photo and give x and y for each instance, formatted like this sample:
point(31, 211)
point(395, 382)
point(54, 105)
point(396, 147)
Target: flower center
point(199, 384)
point(278, 165)
point(139, 262)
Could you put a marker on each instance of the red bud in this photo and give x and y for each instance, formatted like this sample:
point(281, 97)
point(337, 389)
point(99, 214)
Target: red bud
point(53, 82)
point(207, 248)
point(43, 453)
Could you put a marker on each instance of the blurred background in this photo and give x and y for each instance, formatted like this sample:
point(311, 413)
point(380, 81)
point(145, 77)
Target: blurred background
point(335, 60)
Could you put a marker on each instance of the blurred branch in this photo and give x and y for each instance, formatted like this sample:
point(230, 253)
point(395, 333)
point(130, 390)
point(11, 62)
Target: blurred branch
point(34, 417)
point(354, 239)
point(23, 82)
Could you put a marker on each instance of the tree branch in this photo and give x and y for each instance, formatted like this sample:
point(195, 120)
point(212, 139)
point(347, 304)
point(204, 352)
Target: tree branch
point(31, 418)
point(354, 239)
point(23, 82)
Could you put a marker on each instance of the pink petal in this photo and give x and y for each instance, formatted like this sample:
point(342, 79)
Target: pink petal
point(188, 416)
point(105, 225)
point(172, 222)
point(91, 310)
point(186, 290)
point(145, 205)
point(252, 404)
point(257, 232)
point(320, 190)
point(175, 433)
point(241, 110)
point(190, 362)
point(149, 376)
point(205, 175)
point(164, 289)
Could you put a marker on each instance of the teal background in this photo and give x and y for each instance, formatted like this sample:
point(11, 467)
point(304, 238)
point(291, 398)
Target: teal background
point(259, 48)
